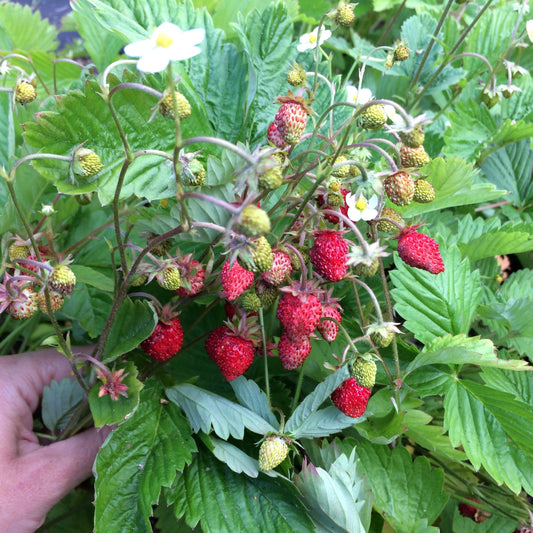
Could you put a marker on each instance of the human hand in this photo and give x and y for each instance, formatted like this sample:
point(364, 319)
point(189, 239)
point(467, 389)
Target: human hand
point(33, 478)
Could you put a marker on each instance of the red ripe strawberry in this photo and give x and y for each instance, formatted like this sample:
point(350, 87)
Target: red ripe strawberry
point(232, 353)
point(329, 255)
point(293, 353)
point(322, 202)
point(419, 251)
point(274, 136)
point(235, 280)
point(192, 280)
point(165, 341)
point(351, 398)
point(327, 328)
point(281, 267)
point(299, 314)
point(291, 118)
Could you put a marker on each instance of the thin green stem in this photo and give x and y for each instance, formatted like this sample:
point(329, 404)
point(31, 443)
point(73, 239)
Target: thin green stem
point(391, 23)
point(298, 390)
point(265, 355)
point(431, 43)
point(372, 297)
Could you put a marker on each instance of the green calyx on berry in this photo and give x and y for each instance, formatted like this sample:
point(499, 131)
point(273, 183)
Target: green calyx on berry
point(25, 92)
point(166, 106)
point(413, 138)
point(192, 171)
point(257, 255)
point(272, 452)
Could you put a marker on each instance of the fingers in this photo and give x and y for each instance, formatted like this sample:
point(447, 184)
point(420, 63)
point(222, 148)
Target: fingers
point(50, 472)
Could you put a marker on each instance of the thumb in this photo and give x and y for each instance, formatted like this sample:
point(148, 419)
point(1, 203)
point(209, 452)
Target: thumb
point(52, 471)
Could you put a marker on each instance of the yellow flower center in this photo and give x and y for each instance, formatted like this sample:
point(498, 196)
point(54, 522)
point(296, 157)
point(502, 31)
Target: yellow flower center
point(163, 40)
point(312, 38)
point(361, 204)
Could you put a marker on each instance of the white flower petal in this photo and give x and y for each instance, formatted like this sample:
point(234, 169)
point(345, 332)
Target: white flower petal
point(139, 48)
point(364, 96)
point(155, 61)
point(324, 35)
point(350, 200)
point(369, 214)
point(178, 53)
point(194, 36)
point(354, 214)
point(170, 29)
point(529, 29)
point(373, 202)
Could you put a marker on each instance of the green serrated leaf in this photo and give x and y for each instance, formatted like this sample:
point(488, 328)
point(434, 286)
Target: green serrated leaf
point(405, 491)
point(102, 47)
point(7, 130)
point(251, 396)
point(298, 421)
point(135, 320)
point(509, 168)
point(233, 457)
point(210, 494)
point(419, 428)
point(89, 307)
point(339, 498)
point(456, 183)
point(140, 456)
point(206, 410)
point(92, 277)
point(519, 384)
point(24, 29)
point(107, 411)
point(434, 306)
point(493, 428)
point(60, 399)
point(460, 349)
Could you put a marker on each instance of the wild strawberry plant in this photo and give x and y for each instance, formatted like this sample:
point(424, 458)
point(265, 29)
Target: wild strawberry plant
point(283, 227)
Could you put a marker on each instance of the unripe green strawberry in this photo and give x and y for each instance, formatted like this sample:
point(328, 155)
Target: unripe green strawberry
point(382, 339)
point(62, 279)
point(413, 157)
point(335, 199)
point(424, 191)
point(167, 110)
point(25, 92)
point(344, 15)
point(271, 179)
point(266, 293)
point(56, 301)
point(373, 117)
point(272, 452)
point(138, 279)
point(254, 221)
point(193, 173)
point(86, 162)
point(490, 98)
point(296, 75)
point(84, 199)
point(354, 171)
point(342, 171)
point(364, 371)
point(162, 248)
point(400, 188)
point(250, 302)
point(262, 255)
point(295, 260)
point(400, 52)
point(366, 271)
point(18, 251)
point(384, 225)
point(170, 278)
point(25, 305)
point(413, 138)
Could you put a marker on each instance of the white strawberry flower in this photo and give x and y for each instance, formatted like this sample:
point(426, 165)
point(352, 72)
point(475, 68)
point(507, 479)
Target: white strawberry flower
point(309, 41)
point(167, 43)
point(358, 97)
point(529, 29)
point(359, 208)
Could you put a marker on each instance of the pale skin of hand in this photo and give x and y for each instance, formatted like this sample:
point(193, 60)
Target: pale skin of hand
point(33, 478)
